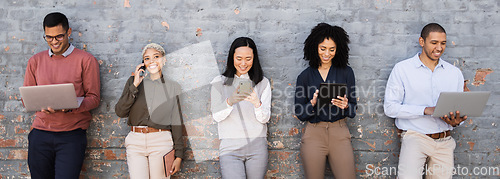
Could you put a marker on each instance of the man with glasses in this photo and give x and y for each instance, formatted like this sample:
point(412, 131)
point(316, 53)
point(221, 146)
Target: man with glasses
point(58, 138)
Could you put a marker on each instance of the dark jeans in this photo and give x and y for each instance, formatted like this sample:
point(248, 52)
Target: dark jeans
point(56, 154)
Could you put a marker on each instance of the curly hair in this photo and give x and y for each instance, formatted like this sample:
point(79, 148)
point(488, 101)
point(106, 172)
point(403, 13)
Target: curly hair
point(318, 34)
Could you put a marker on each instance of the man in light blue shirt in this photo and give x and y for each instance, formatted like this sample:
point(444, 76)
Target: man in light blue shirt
point(411, 95)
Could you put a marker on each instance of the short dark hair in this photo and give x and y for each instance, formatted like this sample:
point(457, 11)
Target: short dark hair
point(318, 34)
point(255, 73)
point(431, 27)
point(54, 19)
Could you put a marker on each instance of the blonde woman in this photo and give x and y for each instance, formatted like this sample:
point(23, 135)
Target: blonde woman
point(151, 104)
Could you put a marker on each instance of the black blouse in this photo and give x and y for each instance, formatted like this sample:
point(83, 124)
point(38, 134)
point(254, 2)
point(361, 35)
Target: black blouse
point(307, 83)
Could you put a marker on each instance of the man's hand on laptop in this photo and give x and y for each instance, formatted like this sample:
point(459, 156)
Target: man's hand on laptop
point(49, 110)
point(454, 119)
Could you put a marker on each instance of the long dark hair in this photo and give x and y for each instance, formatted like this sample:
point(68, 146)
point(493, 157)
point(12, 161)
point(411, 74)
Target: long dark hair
point(318, 34)
point(255, 73)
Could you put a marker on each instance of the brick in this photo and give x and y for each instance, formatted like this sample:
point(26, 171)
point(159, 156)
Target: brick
point(459, 52)
point(203, 142)
point(11, 48)
point(15, 3)
point(3, 12)
point(402, 16)
point(470, 40)
point(412, 5)
point(112, 169)
point(382, 33)
point(13, 106)
point(358, 28)
point(25, 37)
point(14, 167)
point(201, 155)
point(357, 4)
point(439, 17)
point(391, 28)
point(388, 5)
point(21, 154)
point(205, 169)
point(7, 142)
point(468, 17)
point(107, 4)
point(22, 14)
point(483, 6)
point(445, 5)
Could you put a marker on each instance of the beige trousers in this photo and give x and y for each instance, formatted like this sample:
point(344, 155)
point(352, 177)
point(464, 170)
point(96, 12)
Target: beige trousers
point(330, 140)
point(418, 149)
point(145, 154)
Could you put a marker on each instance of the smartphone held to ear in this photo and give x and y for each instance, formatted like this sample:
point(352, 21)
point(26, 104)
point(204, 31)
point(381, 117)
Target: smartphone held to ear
point(143, 67)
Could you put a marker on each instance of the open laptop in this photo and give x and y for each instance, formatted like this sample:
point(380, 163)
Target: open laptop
point(58, 96)
point(470, 103)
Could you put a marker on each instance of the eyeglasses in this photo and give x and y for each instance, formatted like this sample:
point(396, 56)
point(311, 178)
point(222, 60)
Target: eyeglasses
point(49, 38)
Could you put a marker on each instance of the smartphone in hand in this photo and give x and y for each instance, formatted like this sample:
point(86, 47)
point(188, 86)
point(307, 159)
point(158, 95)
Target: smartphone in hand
point(141, 74)
point(245, 86)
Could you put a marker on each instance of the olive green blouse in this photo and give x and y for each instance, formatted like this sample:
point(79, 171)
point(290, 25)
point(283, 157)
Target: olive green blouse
point(154, 103)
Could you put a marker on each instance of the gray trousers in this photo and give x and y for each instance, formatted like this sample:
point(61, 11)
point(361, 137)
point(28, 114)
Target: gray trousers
point(243, 158)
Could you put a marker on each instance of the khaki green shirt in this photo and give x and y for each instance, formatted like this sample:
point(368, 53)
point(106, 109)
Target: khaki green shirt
point(152, 105)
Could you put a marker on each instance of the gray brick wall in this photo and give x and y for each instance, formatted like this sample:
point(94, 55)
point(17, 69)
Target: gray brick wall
point(382, 32)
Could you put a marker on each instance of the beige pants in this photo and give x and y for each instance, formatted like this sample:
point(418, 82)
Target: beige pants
point(327, 139)
point(418, 149)
point(145, 154)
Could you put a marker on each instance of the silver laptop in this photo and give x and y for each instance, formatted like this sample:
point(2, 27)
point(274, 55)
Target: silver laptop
point(58, 96)
point(468, 103)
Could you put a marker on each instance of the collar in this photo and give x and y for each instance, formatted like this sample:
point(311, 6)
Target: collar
point(416, 61)
point(66, 53)
point(159, 80)
point(244, 76)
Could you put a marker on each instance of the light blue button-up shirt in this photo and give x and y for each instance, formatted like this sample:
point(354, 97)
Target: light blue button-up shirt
point(412, 86)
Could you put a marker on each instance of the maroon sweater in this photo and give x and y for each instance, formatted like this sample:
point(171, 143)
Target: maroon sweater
point(79, 68)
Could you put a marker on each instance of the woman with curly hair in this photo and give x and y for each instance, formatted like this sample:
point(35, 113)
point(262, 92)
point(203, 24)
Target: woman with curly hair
point(326, 134)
